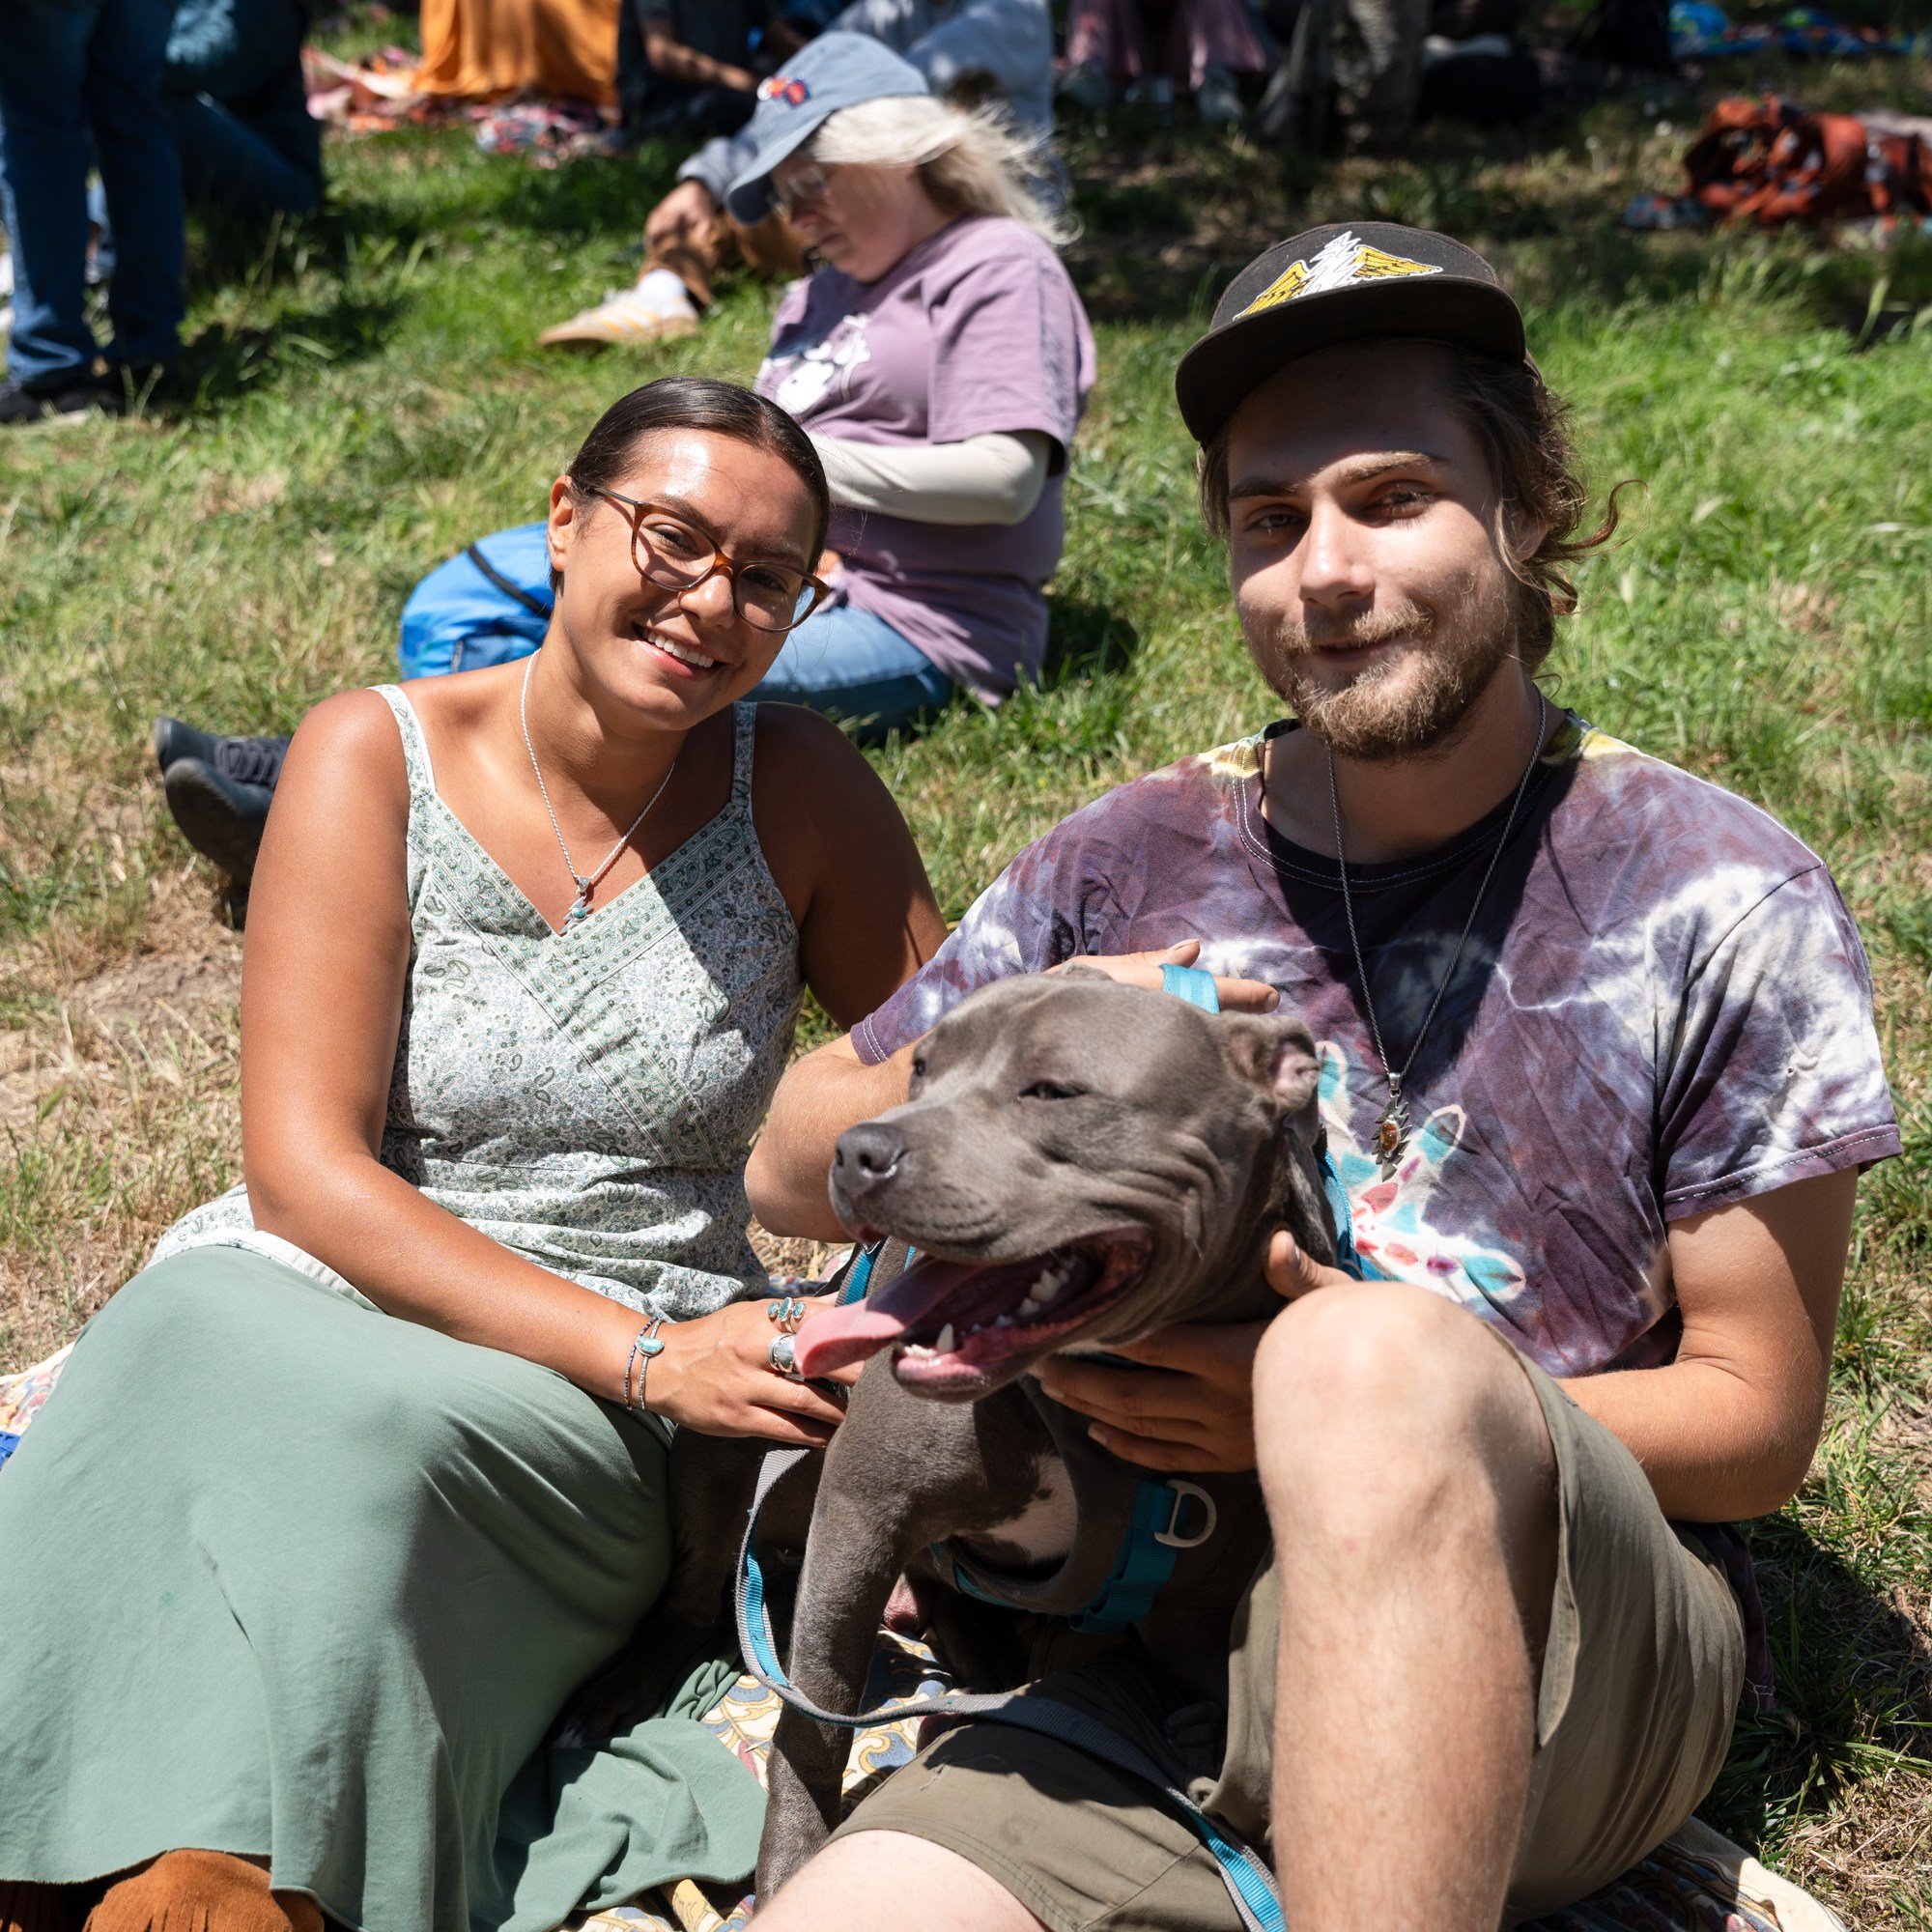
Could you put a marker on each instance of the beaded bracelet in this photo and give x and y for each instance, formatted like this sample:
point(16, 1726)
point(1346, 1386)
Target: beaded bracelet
point(648, 1344)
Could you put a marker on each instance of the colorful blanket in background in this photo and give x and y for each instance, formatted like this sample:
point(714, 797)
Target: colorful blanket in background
point(1700, 31)
point(382, 93)
point(22, 1394)
point(372, 96)
point(546, 133)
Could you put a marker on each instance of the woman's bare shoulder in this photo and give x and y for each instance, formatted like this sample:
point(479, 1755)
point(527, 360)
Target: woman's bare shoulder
point(822, 811)
point(804, 758)
point(348, 744)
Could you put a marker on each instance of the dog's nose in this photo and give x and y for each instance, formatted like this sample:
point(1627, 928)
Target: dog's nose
point(867, 1156)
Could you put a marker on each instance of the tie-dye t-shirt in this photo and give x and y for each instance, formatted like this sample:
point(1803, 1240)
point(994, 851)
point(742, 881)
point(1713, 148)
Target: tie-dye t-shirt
point(1663, 1008)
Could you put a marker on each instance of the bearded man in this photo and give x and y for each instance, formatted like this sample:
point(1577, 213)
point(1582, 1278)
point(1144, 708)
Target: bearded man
point(1599, 1074)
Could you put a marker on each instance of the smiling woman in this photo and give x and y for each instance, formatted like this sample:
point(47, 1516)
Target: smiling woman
point(499, 1079)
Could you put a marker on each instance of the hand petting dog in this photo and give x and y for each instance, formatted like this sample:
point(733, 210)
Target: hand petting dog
point(1191, 1405)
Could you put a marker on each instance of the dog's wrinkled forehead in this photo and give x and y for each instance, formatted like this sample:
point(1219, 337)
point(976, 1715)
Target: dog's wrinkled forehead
point(1081, 1031)
point(1076, 1025)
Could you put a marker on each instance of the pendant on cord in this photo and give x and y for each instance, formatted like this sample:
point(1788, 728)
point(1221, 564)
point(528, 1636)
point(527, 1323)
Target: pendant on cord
point(579, 907)
point(1391, 1128)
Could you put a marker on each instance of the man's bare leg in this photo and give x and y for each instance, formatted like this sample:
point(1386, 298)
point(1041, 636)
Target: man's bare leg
point(1411, 1486)
point(885, 1881)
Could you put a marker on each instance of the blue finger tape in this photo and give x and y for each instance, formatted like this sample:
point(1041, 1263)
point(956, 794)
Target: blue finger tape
point(1192, 984)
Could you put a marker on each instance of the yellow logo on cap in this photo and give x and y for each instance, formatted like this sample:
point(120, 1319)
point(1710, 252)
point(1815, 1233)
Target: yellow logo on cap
point(1339, 264)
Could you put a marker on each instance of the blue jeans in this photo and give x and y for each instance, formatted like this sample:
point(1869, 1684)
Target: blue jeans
point(250, 166)
point(849, 664)
point(70, 67)
point(234, 89)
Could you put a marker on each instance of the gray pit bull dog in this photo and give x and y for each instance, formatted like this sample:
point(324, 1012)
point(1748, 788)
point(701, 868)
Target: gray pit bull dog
point(1078, 1164)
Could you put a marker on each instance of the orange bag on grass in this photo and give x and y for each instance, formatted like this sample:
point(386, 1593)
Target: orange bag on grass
point(1769, 161)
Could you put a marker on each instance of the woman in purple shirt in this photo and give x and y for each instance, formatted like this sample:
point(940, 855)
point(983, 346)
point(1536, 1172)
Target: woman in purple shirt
point(939, 362)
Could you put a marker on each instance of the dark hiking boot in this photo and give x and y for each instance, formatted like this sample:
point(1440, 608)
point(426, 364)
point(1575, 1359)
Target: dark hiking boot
point(66, 399)
point(175, 741)
point(221, 817)
point(253, 761)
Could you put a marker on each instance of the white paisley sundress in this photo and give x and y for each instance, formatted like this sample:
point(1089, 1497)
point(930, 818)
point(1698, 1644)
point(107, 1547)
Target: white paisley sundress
point(586, 1097)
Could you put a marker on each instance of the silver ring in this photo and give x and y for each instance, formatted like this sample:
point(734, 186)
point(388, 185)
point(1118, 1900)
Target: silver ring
point(783, 1355)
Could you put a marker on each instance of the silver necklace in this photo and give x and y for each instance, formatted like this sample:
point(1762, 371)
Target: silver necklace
point(581, 906)
point(1392, 1122)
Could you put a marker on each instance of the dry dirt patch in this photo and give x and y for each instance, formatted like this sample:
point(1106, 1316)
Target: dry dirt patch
point(117, 1102)
point(120, 1108)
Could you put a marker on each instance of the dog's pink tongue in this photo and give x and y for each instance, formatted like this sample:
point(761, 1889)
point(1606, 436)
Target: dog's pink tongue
point(834, 1338)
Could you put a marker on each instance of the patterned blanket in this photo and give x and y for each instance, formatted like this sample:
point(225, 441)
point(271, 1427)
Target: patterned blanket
point(1696, 1882)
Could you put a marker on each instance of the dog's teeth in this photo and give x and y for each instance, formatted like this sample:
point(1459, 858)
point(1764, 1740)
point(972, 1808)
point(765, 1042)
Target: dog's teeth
point(1029, 1308)
point(1003, 1322)
point(944, 1344)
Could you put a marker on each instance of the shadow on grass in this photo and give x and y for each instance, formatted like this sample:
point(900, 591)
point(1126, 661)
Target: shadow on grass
point(221, 364)
point(1853, 1676)
point(1168, 215)
point(1085, 641)
point(447, 196)
point(1162, 238)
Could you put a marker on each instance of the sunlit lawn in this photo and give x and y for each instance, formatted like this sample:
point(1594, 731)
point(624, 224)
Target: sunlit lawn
point(370, 399)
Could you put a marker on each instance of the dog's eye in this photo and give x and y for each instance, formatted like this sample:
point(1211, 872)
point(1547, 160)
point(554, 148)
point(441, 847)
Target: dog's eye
point(1047, 1089)
point(919, 1067)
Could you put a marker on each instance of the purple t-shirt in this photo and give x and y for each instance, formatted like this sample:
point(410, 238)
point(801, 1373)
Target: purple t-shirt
point(976, 330)
point(1663, 1008)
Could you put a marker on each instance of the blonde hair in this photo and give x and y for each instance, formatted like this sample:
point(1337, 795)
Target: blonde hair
point(970, 163)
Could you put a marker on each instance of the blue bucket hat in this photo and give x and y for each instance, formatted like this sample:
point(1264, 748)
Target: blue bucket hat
point(832, 71)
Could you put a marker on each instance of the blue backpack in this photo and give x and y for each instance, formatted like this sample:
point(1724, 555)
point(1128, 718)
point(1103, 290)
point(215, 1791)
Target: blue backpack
point(486, 606)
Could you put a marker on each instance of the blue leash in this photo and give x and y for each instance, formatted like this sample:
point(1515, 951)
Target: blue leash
point(1249, 1882)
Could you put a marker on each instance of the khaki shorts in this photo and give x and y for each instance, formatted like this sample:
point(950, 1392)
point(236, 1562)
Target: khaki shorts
point(1640, 1680)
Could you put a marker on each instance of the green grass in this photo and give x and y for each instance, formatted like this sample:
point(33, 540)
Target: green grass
point(369, 399)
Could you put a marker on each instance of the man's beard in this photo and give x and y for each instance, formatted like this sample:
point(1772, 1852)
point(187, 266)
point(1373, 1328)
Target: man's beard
point(1436, 682)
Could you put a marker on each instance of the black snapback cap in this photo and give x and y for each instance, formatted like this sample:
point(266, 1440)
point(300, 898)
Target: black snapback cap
point(1348, 282)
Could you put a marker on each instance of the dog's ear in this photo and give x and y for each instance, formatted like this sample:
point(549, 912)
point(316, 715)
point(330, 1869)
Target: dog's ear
point(1276, 1053)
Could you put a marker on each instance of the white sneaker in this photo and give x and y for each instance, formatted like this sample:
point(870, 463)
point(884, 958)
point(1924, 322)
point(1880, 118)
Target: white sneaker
point(656, 310)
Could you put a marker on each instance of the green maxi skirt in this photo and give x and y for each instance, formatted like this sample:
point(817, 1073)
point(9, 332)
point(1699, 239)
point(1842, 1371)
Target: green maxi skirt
point(284, 1577)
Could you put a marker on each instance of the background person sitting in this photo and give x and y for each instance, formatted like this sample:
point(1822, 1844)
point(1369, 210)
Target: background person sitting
point(981, 51)
point(478, 50)
point(940, 362)
point(684, 67)
point(232, 91)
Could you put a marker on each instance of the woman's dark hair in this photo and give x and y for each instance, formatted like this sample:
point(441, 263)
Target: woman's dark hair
point(1526, 435)
point(700, 402)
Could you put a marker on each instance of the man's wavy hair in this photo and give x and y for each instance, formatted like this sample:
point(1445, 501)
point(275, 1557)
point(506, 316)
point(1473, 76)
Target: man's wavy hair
point(1526, 434)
